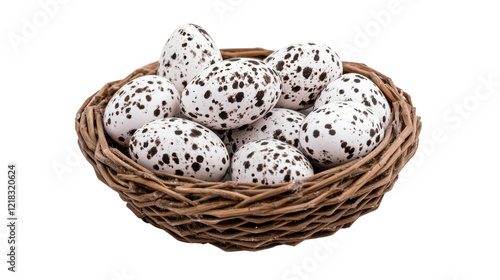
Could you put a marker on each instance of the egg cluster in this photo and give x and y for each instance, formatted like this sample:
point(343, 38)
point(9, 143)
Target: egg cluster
point(243, 119)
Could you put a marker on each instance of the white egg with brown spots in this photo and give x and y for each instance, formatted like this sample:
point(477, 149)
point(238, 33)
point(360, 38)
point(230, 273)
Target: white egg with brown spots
point(180, 147)
point(279, 123)
point(269, 161)
point(306, 69)
point(138, 102)
point(187, 52)
point(231, 93)
point(357, 88)
point(339, 132)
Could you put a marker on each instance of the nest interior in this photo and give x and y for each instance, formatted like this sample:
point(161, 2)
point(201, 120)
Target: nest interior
point(249, 216)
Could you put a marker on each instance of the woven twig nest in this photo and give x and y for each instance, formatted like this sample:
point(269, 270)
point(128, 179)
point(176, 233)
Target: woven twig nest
point(250, 216)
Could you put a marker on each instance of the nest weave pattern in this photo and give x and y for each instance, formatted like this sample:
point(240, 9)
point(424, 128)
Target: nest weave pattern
point(250, 216)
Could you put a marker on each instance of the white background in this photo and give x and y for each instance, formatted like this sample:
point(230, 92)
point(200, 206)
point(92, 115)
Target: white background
point(441, 220)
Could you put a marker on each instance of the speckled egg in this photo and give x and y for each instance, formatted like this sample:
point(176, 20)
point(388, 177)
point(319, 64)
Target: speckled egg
point(181, 147)
point(279, 123)
point(269, 161)
point(357, 88)
point(138, 102)
point(231, 93)
point(339, 132)
point(306, 69)
point(187, 52)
